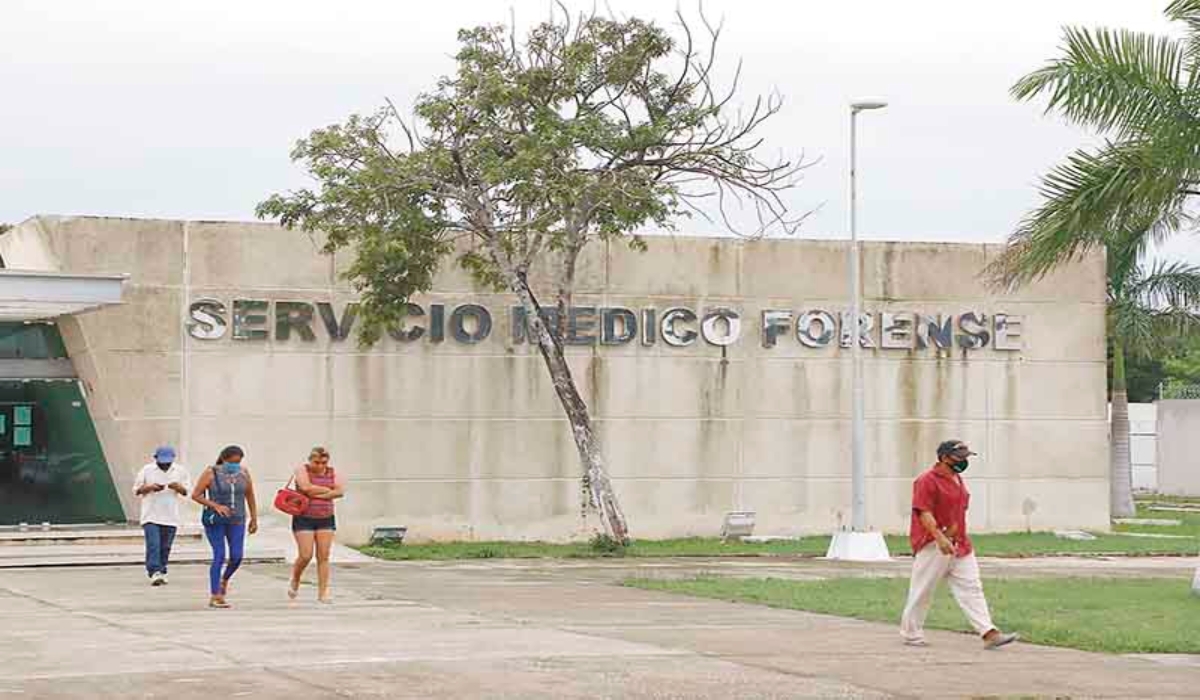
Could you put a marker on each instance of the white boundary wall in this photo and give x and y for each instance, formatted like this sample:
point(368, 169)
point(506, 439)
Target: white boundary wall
point(1143, 445)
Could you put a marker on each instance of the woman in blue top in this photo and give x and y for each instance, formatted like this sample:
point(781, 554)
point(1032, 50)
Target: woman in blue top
point(226, 491)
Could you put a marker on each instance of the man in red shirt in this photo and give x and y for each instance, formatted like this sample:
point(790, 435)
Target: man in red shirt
point(942, 549)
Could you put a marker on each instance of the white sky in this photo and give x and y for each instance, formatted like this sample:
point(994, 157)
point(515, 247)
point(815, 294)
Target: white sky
point(188, 110)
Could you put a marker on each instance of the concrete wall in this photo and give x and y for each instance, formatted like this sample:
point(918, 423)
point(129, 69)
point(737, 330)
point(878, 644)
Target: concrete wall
point(1143, 445)
point(1178, 428)
point(467, 441)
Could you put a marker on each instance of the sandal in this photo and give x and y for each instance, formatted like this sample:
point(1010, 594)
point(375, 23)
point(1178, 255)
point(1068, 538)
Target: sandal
point(293, 591)
point(217, 602)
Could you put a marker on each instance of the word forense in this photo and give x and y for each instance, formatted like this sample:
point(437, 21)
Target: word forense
point(673, 326)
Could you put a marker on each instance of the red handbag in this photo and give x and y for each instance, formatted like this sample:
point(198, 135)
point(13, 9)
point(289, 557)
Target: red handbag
point(289, 500)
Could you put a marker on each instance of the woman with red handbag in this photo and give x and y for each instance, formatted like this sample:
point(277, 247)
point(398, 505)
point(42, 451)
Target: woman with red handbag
point(315, 526)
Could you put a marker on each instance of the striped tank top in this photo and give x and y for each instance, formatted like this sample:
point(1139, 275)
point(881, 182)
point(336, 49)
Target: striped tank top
point(320, 507)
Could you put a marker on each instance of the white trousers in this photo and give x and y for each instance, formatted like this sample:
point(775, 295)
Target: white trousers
point(930, 566)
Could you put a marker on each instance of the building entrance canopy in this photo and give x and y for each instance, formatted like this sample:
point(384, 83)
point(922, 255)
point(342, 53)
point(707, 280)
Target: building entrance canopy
point(37, 296)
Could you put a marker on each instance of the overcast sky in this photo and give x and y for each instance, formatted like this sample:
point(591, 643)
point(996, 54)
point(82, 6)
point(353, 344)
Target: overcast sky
point(189, 109)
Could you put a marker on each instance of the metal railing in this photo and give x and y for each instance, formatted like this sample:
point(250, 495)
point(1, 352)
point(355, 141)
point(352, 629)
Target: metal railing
point(1172, 390)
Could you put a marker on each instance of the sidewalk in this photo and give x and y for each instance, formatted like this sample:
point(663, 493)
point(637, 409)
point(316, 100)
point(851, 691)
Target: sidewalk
point(493, 629)
point(124, 546)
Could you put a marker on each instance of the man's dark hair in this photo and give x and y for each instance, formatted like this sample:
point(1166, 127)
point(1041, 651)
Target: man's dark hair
point(949, 447)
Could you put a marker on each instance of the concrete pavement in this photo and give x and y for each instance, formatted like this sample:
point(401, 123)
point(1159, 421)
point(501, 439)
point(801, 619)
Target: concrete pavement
point(493, 629)
point(125, 545)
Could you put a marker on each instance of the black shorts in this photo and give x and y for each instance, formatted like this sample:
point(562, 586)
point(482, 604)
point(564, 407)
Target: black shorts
point(303, 524)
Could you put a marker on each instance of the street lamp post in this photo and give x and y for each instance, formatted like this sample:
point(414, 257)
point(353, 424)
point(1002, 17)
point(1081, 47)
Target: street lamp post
point(857, 544)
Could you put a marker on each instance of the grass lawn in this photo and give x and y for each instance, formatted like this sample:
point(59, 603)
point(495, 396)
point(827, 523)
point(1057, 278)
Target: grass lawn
point(1002, 545)
point(686, 547)
point(1154, 615)
point(1190, 522)
point(1017, 544)
point(1166, 499)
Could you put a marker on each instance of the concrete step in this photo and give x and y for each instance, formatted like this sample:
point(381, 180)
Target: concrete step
point(85, 536)
point(120, 554)
point(124, 545)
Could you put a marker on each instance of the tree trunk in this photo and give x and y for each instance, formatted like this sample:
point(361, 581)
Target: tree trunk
point(1121, 470)
point(566, 285)
point(596, 481)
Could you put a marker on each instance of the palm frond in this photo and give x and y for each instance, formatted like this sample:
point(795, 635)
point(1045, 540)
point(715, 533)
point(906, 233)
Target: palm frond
point(1174, 325)
point(1114, 80)
point(1143, 331)
point(1167, 287)
point(1125, 252)
point(1132, 325)
point(1091, 195)
point(1150, 308)
point(1188, 12)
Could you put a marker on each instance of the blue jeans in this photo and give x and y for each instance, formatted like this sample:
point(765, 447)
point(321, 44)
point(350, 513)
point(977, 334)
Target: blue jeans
point(220, 535)
point(159, 539)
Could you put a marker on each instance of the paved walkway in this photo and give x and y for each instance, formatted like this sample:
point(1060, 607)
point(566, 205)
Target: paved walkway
point(494, 629)
point(126, 545)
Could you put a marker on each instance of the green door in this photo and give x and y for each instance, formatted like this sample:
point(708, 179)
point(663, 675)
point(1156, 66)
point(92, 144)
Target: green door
point(51, 466)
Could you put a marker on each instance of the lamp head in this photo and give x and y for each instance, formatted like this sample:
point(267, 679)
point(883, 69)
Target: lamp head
point(861, 105)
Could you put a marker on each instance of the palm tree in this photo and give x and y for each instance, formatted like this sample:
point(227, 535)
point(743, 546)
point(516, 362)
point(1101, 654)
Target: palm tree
point(1142, 93)
point(1148, 308)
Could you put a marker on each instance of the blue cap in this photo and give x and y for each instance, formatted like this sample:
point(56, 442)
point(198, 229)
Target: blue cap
point(164, 454)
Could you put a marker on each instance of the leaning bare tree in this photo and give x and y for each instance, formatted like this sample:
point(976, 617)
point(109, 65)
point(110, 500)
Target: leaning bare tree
point(583, 131)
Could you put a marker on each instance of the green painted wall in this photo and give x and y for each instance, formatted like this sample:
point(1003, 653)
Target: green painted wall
point(51, 465)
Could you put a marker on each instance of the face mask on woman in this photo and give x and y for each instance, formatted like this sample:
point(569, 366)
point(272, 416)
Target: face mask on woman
point(232, 467)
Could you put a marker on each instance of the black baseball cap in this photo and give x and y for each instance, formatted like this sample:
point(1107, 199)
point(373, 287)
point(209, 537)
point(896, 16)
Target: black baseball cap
point(949, 447)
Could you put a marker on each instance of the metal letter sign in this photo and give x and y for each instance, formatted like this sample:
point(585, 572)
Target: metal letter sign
point(678, 327)
point(716, 319)
point(248, 314)
point(207, 319)
point(673, 330)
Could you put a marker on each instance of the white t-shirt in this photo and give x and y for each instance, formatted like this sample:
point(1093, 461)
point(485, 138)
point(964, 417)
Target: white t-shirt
point(162, 507)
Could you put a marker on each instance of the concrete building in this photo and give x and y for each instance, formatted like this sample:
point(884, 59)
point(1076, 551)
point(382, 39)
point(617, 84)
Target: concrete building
point(717, 371)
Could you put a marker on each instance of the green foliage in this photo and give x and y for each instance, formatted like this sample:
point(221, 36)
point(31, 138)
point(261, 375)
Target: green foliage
point(1182, 366)
point(376, 204)
point(606, 545)
point(1150, 308)
point(1143, 376)
point(1176, 364)
point(582, 131)
point(1140, 92)
point(1115, 615)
